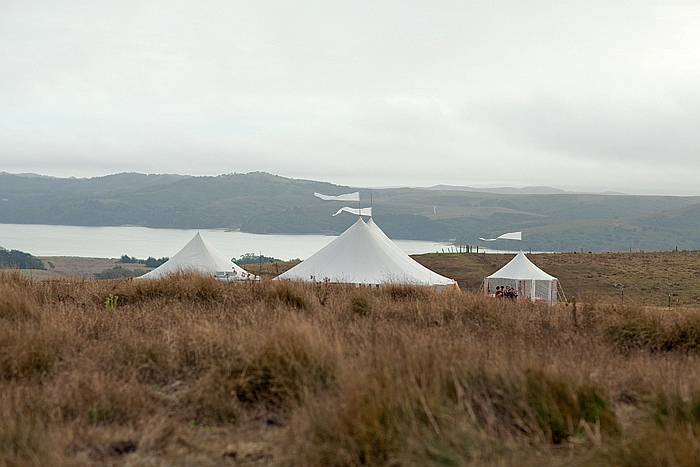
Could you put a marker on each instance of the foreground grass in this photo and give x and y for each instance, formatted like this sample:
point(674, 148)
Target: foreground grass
point(189, 371)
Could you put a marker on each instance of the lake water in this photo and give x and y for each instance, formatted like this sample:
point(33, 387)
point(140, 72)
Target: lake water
point(142, 242)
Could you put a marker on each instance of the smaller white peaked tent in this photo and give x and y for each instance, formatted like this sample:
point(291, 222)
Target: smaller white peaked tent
point(364, 255)
point(528, 280)
point(199, 256)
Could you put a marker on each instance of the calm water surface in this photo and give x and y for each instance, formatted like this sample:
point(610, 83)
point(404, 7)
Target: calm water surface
point(142, 242)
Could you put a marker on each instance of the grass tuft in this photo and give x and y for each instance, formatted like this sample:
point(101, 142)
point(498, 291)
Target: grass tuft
point(15, 306)
point(293, 361)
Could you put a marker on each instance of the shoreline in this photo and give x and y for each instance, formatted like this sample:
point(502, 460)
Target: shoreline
point(85, 267)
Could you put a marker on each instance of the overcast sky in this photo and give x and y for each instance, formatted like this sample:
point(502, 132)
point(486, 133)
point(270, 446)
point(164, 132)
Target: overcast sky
point(593, 95)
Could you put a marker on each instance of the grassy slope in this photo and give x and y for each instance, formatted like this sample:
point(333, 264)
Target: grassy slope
point(648, 277)
point(189, 371)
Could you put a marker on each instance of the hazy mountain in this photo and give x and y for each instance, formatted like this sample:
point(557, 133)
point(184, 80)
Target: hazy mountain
point(123, 182)
point(506, 190)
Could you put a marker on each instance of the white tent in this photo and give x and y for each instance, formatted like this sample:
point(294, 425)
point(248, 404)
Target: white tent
point(363, 254)
point(528, 280)
point(200, 256)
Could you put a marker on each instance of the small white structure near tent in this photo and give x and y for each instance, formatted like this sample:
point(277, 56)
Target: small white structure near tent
point(201, 257)
point(364, 255)
point(527, 279)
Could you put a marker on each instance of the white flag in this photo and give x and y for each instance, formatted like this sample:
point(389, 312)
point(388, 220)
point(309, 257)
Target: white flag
point(357, 212)
point(508, 236)
point(346, 197)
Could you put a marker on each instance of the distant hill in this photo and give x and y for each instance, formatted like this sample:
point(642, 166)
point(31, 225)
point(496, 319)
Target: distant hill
point(263, 203)
point(530, 190)
point(123, 182)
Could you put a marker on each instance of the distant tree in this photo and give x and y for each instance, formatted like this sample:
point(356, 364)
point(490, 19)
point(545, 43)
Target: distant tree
point(151, 262)
point(19, 259)
point(128, 259)
point(252, 258)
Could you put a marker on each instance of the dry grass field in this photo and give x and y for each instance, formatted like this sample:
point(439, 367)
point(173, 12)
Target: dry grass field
point(190, 371)
point(648, 277)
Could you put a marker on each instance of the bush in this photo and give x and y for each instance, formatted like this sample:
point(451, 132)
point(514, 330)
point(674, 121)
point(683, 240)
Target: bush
point(252, 258)
point(154, 263)
point(19, 259)
point(118, 272)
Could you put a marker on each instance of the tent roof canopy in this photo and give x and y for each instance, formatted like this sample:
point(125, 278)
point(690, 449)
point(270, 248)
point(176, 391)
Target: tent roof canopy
point(521, 268)
point(363, 254)
point(198, 256)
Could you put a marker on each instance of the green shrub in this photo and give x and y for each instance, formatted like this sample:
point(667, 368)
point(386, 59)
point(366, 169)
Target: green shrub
point(118, 272)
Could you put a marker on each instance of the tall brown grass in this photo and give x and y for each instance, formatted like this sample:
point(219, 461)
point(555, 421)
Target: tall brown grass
point(191, 371)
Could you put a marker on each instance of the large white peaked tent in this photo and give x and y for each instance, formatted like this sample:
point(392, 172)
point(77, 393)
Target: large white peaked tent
point(199, 256)
point(527, 279)
point(363, 254)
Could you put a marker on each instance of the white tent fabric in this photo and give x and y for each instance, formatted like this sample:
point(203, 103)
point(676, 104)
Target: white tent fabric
point(528, 280)
point(199, 256)
point(363, 254)
point(346, 197)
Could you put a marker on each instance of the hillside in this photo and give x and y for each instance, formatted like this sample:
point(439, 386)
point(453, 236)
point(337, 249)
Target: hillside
point(648, 277)
point(263, 203)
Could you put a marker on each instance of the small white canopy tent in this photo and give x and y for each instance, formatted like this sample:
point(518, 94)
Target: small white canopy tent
point(200, 256)
point(528, 280)
point(364, 255)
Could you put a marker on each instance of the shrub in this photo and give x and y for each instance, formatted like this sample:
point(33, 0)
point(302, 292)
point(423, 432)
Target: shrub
point(19, 259)
point(118, 272)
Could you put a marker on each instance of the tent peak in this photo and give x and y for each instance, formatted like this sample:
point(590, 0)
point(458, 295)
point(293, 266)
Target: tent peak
point(363, 254)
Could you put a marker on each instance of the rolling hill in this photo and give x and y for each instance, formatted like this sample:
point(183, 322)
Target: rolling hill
point(264, 203)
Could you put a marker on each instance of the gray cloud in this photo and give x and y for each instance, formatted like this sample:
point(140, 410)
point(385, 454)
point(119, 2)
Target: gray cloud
point(362, 92)
point(653, 135)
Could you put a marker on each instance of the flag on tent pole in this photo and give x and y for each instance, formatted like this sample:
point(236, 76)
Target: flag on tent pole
point(356, 211)
point(346, 197)
point(507, 236)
